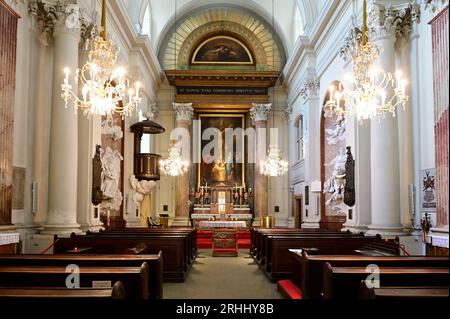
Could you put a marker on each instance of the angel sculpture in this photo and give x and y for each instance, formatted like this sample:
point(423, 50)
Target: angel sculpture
point(141, 188)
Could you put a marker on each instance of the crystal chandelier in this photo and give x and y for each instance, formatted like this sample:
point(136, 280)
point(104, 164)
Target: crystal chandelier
point(369, 91)
point(274, 165)
point(105, 87)
point(174, 165)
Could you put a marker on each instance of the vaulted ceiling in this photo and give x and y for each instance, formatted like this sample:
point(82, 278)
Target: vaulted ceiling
point(292, 17)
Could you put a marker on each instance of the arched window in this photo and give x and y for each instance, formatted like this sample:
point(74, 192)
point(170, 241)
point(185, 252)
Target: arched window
point(300, 143)
point(146, 22)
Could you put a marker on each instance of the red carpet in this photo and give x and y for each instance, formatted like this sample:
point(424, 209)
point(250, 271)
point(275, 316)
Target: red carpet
point(288, 289)
point(204, 239)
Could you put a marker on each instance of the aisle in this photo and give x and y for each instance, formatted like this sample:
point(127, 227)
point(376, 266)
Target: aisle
point(223, 278)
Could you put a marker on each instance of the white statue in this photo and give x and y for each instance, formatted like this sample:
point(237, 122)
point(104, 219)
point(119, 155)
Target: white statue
point(141, 188)
point(336, 183)
point(108, 128)
point(336, 134)
point(111, 178)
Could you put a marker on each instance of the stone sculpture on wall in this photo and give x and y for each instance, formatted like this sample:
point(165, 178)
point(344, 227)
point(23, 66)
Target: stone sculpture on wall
point(335, 185)
point(108, 128)
point(337, 133)
point(141, 189)
point(111, 161)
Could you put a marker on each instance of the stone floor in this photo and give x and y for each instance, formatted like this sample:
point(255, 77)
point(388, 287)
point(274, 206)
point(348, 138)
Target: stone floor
point(223, 278)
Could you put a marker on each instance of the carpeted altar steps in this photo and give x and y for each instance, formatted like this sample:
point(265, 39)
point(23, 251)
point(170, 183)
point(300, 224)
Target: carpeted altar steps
point(204, 239)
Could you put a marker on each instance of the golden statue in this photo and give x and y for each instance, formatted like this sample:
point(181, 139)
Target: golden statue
point(218, 172)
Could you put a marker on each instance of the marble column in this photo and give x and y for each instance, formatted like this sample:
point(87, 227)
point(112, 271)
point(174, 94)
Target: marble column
point(259, 114)
point(385, 176)
point(63, 170)
point(407, 38)
point(89, 135)
point(183, 115)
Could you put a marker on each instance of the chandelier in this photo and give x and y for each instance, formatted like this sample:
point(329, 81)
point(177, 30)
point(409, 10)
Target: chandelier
point(174, 165)
point(368, 91)
point(105, 87)
point(274, 165)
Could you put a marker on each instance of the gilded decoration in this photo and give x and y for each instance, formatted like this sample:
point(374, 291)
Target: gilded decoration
point(222, 21)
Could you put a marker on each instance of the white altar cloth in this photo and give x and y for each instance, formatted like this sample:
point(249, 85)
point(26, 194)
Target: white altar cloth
point(222, 224)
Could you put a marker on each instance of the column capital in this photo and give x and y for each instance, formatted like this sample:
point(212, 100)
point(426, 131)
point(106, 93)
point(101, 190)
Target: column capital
point(288, 111)
point(434, 5)
point(310, 88)
point(260, 112)
point(386, 21)
point(54, 18)
point(68, 18)
point(183, 111)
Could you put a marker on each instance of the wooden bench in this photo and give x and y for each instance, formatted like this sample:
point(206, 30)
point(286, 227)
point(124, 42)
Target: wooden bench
point(279, 264)
point(134, 279)
point(116, 292)
point(191, 234)
point(308, 270)
point(154, 262)
point(390, 293)
point(258, 234)
point(174, 266)
point(345, 282)
point(190, 252)
point(266, 250)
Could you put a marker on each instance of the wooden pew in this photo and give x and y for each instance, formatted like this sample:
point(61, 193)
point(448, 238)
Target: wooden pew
point(266, 251)
point(189, 251)
point(154, 262)
point(191, 234)
point(261, 245)
point(174, 266)
point(390, 293)
point(344, 282)
point(308, 270)
point(280, 265)
point(116, 292)
point(258, 234)
point(134, 279)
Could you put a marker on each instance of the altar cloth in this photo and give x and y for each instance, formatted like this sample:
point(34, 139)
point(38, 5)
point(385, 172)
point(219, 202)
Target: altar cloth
point(222, 224)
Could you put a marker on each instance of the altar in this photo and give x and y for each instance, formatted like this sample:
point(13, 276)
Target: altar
point(221, 202)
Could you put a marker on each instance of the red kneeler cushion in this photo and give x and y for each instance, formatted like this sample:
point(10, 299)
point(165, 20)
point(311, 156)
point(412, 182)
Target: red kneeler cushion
point(290, 289)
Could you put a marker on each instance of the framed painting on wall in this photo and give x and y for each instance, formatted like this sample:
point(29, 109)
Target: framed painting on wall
point(230, 168)
point(222, 50)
